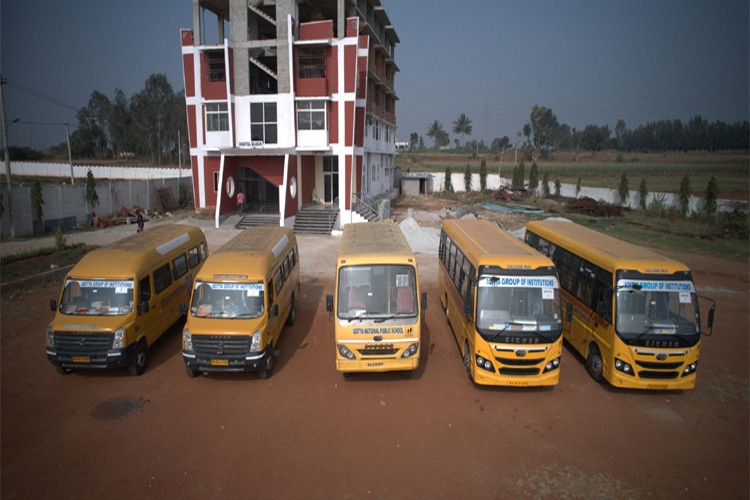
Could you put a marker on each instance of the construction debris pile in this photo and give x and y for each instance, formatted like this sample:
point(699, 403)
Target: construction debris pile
point(589, 206)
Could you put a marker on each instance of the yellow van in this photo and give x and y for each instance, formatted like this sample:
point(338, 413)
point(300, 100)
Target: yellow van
point(241, 300)
point(117, 300)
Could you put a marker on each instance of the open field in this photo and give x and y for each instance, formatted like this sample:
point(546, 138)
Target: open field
point(663, 171)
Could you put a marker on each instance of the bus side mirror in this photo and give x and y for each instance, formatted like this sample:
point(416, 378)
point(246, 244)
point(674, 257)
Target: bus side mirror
point(53, 305)
point(275, 310)
point(329, 303)
point(710, 319)
point(143, 307)
point(423, 300)
point(183, 309)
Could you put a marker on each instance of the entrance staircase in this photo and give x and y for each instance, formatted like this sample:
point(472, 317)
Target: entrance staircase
point(316, 219)
point(267, 215)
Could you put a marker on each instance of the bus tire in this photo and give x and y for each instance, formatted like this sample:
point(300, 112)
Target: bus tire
point(595, 364)
point(267, 368)
point(467, 360)
point(406, 374)
point(138, 364)
point(291, 317)
point(192, 372)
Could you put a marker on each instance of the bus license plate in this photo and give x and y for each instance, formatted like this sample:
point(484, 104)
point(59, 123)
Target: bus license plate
point(81, 359)
point(219, 362)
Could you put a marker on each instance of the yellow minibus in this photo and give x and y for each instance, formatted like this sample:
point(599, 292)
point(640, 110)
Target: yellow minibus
point(631, 313)
point(376, 304)
point(117, 300)
point(241, 300)
point(502, 300)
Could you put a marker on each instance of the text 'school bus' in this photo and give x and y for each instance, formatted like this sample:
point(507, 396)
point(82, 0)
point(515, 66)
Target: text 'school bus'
point(117, 300)
point(241, 300)
point(502, 301)
point(631, 313)
point(377, 311)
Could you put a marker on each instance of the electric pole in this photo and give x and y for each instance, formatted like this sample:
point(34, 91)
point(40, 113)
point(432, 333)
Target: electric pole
point(3, 81)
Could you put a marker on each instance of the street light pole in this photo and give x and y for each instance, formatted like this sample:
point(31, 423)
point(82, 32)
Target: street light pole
point(7, 159)
point(70, 158)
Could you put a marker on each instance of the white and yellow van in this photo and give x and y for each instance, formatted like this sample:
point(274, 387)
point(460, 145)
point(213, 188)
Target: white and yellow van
point(241, 300)
point(117, 300)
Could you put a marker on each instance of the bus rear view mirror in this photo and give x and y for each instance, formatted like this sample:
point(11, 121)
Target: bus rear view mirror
point(329, 303)
point(53, 305)
point(710, 318)
point(423, 300)
point(143, 307)
point(183, 309)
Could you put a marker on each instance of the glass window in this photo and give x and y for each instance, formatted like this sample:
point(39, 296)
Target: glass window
point(97, 297)
point(193, 258)
point(311, 62)
point(179, 267)
point(263, 122)
point(162, 278)
point(217, 117)
point(377, 291)
point(311, 115)
point(228, 300)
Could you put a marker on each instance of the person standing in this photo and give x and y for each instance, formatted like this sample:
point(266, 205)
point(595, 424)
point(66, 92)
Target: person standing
point(139, 218)
point(240, 203)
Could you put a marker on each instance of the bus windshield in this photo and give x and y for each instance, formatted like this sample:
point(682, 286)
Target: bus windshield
point(97, 297)
point(518, 304)
point(228, 300)
point(656, 306)
point(377, 291)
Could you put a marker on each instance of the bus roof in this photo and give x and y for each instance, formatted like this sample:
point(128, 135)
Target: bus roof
point(374, 242)
point(134, 254)
point(250, 254)
point(484, 243)
point(603, 250)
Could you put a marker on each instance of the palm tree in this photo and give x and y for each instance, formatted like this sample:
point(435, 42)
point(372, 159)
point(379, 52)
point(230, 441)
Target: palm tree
point(435, 131)
point(462, 126)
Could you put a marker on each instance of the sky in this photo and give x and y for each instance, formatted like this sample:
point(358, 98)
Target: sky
point(590, 61)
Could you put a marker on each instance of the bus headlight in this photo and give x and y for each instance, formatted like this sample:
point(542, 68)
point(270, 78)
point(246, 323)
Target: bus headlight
point(255, 341)
point(50, 337)
point(485, 364)
point(690, 369)
point(345, 352)
point(119, 340)
point(623, 367)
point(187, 340)
point(411, 350)
point(552, 365)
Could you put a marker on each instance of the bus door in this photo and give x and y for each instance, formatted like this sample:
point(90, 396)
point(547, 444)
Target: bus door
point(151, 318)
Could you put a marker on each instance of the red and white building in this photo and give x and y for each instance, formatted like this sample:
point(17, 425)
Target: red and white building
point(296, 104)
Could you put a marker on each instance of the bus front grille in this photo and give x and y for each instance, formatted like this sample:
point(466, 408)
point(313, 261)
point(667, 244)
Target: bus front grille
point(520, 361)
point(384, 350)
point(658, 366)
point(219, 345)
point(658, 375)
point(83, 343)
point(526, 372)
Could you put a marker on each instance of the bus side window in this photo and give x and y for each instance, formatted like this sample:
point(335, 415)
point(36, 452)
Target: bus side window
point(271, 294)
point(193, 257)
point(204, 251)
point(144, 290)
point(162, 278)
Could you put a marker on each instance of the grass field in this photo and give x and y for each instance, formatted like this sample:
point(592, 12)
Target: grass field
point(663, 171)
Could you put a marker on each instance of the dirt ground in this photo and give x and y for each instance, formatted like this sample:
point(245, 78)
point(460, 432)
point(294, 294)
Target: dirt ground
point(308, 432)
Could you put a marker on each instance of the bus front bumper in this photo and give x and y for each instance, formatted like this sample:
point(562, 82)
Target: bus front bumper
point(249, 362)
point(114, 358)
point(376, 365)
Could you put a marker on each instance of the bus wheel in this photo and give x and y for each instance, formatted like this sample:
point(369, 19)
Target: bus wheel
point(138, 365)
point(267, 368)
point(291, 317)
point(594, 363)
point(62, 370)
point(192, 372)
point(406, 374)
point(445, 306)
point(467, 360)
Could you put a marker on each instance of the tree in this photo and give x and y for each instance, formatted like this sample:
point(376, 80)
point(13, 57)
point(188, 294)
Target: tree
point(712, 195)
point(544, 125)
point(483, 176)
point(620, 132)
point(534, 176)
point(624, 189)
point(545, 185)
point(436, 132)
point(462, 126)
point(558, 185)
point(684, 196)
point(643, 193)
point(595, 138)
point(578, 187)
point(91, 197)
point(37, 200)
point(413, 140)
point(448, 187)
point(90, 139)
point(467, 178)
point(150, 116)
point(120, 124)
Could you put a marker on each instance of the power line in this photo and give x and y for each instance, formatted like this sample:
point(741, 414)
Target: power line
point(39, 95)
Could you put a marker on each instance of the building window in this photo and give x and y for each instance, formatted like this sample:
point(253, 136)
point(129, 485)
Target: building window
point(263, 125)
point(311, 115)
point(216, 69)
point(217, 117)
point(311, 62)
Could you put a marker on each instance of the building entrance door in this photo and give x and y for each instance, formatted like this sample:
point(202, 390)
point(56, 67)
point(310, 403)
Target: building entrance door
point(330, 179)
point(261, 195)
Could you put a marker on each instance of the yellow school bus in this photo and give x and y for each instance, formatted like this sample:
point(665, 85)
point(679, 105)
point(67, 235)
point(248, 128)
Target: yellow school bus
point(631, 313)
point(117, 300)
point(502, 300)
point(376, 306)
point(241, 300)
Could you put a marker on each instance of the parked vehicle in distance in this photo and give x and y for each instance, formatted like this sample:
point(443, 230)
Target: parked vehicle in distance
point(502, 300)
point(117, 300)
point(241, 300)
point(632, 314)
point(377, 314)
